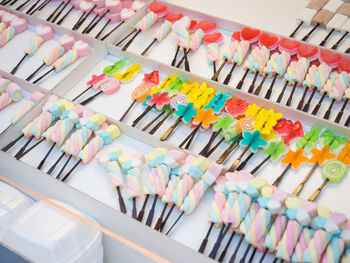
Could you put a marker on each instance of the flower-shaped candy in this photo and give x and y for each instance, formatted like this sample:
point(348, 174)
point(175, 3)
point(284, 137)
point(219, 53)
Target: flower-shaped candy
point(266, 120)
point(236, 107)
point(275, 150)
point(112, 69)
point(187, 112)
point(320, 156)
point(283, 126)
point(289, 129)
point(344, 155)
point(96, 79)
point(253, 139)
point(205, 118)
point(218, 101)
point(189, 87)
point(159, 100)
point(295, 158)
point(252, 110)
point(151, 78)
point(174, 87)
point(224, 123)
point(166, 82)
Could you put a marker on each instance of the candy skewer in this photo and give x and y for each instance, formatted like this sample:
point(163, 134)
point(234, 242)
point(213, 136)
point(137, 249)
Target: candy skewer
point(217, 72)
point(148, 47)
point(110, 32)
point(241, 82)
point(52, 168)
point(30, 149)
point(223, 253)
point(90, 24)
point(23, 148)
point(190, 137)
point(39, 8)
point(160, 218)
point(43, 76)
point(82, 93)
point(205, 240)
point(83, 19)
point(14, 70)
point(326, 38)
point(42, 162)
point(229, 75)
point(302, 100)
point(126, 37)
point(98, 21)
point(11, 144)
point(54, 12)
point(60, 12)
point(34, 73)
point(341, 112)
point(269, 91)
point(182, 59)
point(171, 129)
point(329, 110)
point(187, 65)
point(259, 87)
point(126, 46)
point(142, 211)
point(173, 62)
point(280, 97)
point(167, 217)
point(229, 150)
point(307, 105)
point(289, 101)
point(210, 152)
point(335, 46)
point(32, 7)
point(155, 128)
point(252, 86)
point(311, 31)
point(65, 16)
point(151, 211)
point(296, 30)
point(318, 105)
point(22, 5)
point(153, 121)
point(238, 160)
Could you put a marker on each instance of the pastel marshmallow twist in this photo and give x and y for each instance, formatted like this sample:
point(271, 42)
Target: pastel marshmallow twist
point(67, 59)
point(182, 188)
point(257, 59)
point(275, 233)
point(163, 31)
point(115, 174)
point(304, 238)
point(213, 52)
point(146, 22)
point(27, 106)
point(6, 35)
point(170, 189)
point(183, 39)
point(76, 141)
point(240, 51)
point(33, 45)
point(196, 39)
point(5, 99)
point(53, 55)
point(277, 64)
point(40, 124)
point(296, 71)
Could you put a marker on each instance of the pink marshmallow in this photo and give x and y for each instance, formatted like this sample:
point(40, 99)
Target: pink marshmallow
point(114, 17)
point(215, 169)
point(19, 24)
point(76, 4)
point(79, 110)
point(36, 96)
point(87, 113)
point(126, 13)
point(137, 5)
point(44, 31)
point(176, 155)
point(190, 159)
point(99, 3)
point(82, 48)
point(7, 18)
point(86, 6)
point(280, 195)
point(337, 218)
point(100, 11)
point(114, 5)
point(140, 156)
point(15, 92)
point(127, 4)
point(66, 41)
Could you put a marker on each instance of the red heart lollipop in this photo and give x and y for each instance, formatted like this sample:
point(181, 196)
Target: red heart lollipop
point(309, 52)
point(271, 42)
point(207, 27)
point(159, 9)
point(193, 25)
point(344, 65)
point(172, 17)
point(236, 36)
point(251, 35)
point(332, 59)
point(211, 38)
point(289, 46)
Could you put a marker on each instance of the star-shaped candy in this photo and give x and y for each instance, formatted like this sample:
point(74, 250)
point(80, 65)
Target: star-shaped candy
point(224, 123)
point(159, 100)
point(189, 87)
point(275, 150)
point(218, 101)
point(320, 156)
point(266, 120)
point(328, 138)
point(151, 78)
point(236, 107)
point(112, 69)
point(295, 158)
point(205, 118)
point(95, 79)
point(253, 139)
point(187, 112)
point(174, 87)
point(166, 82)
point(295, 131)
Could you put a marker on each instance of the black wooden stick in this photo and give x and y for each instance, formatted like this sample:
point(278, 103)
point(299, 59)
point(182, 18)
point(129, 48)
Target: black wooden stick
point(90, 24)
point(166, 218)
point(91, 98)
point(36, 71)
point(208, 144)
point(60, 12)
point(326, 38)
point(171, 129)
point(148, 47)
point(130, 41)
point(210, 152)
point(289, 101)
point(260, 86)
point(103, 28)
point(83, 19)
point(11, 144)
point(22, 5)
point(177, 220)
point(252, 86)
point(23, 147)
point(318, 105)
point(311, 31)
point(242, 260)
point(126, 37)
point(295, 31)
point(269, 91)
point(229, 75)
point(43, 76)
point(173, 63)
point(42, 162)
point(80, 18)
point(98, 21)
point(223, 253)
point(54, 12)
point(155, 128)
point(64, 17)
point(52, 168)
point(182, 59)
point(302, 100)
point(160, 218)
point(153, 121)
point(40, 7)
point(240, 83)
point(134, 209)
point(82, 93)
point(64, 167)
point(30, 148)
point(110, 32)
point(151, 212)
point(328, 112)
point(32, 7)
point(217, 72)
point(187, 64)
point(121, 201)
point(280, 97)
point(245, 162)
point(257, 168)
point(205, 239)
point(142, 211)
point(70, 171)
point(194, 131)
point(217, 244)
point(14, 70)
point(308, 103)
point(341, 112)
point(142, 115)
point(335, 46)
point(233, 257)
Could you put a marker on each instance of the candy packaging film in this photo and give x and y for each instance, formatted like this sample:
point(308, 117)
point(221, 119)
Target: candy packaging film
point(230, 141)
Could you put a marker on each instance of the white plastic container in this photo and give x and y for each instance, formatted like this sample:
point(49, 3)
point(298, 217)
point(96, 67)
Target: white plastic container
point(46, 234)
point(12, 204)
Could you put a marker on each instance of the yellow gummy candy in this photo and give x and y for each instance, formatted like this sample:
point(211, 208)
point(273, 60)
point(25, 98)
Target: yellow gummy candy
point(252, 110)
point(114, 131)
point(166, 82)
point(267, 191)
point(187, 87)
point(124, 158)
point(323, 211)
point(98, 118)
point(128, 73)
point(258, 183)
point(293, 202)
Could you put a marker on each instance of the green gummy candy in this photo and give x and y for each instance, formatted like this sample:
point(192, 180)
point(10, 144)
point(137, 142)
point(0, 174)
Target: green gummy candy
point(334, 171)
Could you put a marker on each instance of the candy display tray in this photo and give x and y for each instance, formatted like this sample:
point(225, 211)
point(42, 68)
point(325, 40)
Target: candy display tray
point(89, 189)
point(8, 112)
point(164, 52)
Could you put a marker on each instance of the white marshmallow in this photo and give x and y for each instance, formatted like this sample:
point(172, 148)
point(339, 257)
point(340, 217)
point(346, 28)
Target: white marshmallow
point(306, 16)
point(336, 22)
point(346, 26)
point(333, 5)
